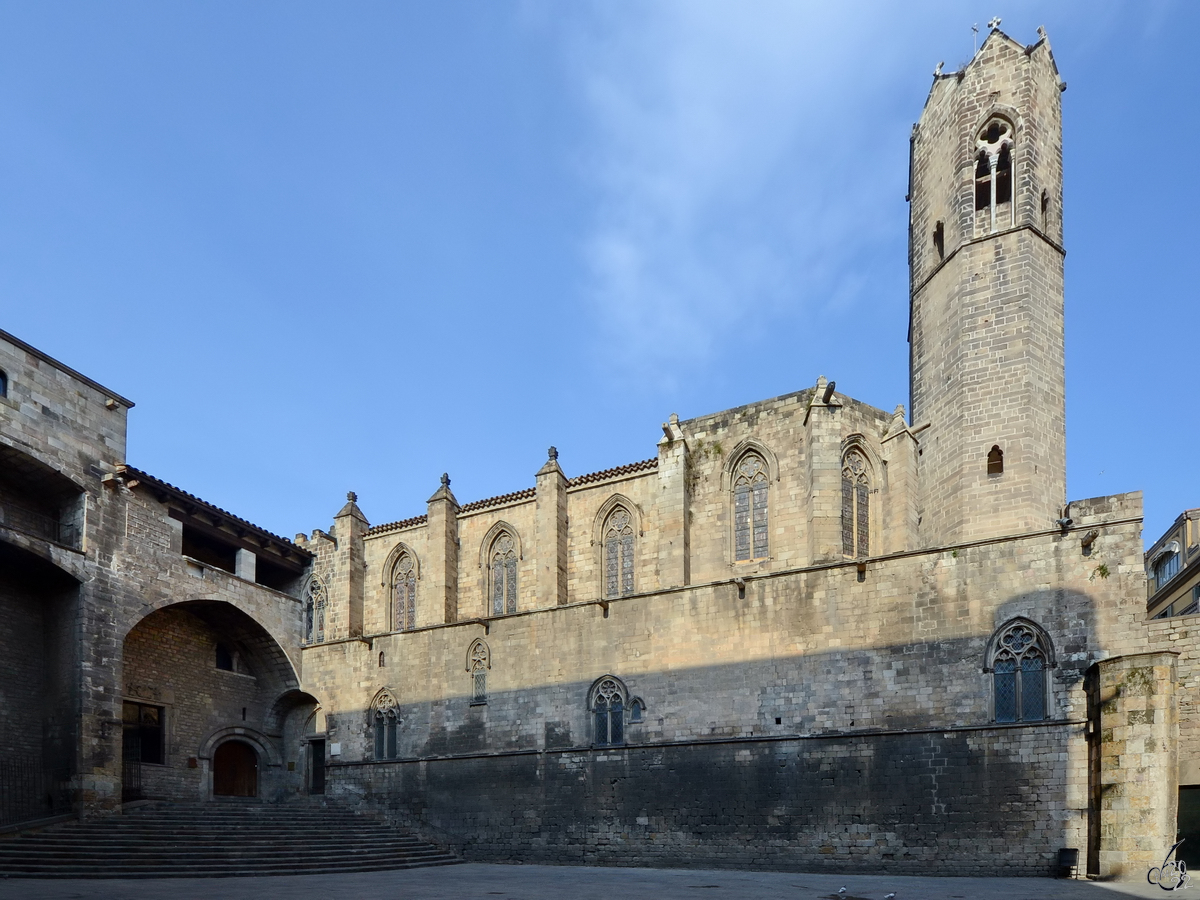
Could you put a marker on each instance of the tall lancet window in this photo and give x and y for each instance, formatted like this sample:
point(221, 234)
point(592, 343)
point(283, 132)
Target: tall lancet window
point(856, 506)
point(618, 554)
point(316, 600)
point(504, 574)
point(751, 484)
point(994, 172)
point(404, 594)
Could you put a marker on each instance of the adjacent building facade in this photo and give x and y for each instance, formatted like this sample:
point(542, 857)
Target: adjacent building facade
point(802, 633)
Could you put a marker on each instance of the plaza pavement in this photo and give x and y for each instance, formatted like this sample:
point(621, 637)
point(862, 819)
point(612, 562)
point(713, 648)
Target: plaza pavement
point(475, 881)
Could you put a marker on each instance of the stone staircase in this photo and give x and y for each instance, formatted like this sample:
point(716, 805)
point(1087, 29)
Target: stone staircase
point(217, 839)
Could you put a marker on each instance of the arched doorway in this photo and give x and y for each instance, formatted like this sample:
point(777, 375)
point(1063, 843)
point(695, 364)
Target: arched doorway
point(235, 770)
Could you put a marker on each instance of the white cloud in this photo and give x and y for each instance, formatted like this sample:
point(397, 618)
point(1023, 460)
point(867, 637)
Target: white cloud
point(736, 162)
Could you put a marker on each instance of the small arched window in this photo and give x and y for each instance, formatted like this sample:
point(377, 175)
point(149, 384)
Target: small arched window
point(382, 660)
point(385, 721)
point(1020, 657)
point(637, 710)
point(618, 553)
point(608, 702)
point(316, 599)
point(404, 594)
point(751, 484)
point(856, 506)
point(479, 660)
point(503, 571)
point(995, 461)
point(3, 383)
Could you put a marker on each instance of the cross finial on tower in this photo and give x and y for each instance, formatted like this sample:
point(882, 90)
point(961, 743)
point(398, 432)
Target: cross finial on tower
point(994, 23)
point(351, 496)
point(445, 479)
point(552, 453)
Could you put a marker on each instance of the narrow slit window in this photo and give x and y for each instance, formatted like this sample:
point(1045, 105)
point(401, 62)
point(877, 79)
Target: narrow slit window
point(939, 239)
point(983, 184)
point(995, 461)
point(3, 383)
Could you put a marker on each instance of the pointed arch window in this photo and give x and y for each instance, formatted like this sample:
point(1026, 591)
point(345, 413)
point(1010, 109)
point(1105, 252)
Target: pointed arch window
point(618, 553)
point(994, 169)
point(1020, 658)
point(404, 594)
point(385, 722)
point(316, 601)
point(856, 506)
point(751, 485)
point(995, 461)
point(504, 574)
point(479, 660)
point(608, 704)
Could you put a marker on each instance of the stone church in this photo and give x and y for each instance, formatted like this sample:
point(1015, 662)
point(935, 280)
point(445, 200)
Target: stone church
point(803, 633)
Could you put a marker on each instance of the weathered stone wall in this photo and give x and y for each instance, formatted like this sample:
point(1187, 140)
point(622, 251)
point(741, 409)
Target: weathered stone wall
point(987, 312)
point(943, 802)
point(803, 655)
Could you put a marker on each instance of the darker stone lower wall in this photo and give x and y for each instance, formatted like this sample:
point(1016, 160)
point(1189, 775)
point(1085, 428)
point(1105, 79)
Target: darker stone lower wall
point(22, 675)
point(985, 801)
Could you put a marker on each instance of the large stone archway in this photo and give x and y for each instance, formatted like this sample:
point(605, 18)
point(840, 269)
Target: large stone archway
point(196, 673)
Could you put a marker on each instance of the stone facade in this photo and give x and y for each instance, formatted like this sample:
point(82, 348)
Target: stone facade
point(803, 633)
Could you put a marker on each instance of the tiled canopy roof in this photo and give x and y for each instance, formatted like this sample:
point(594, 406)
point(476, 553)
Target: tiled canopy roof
point(526, 494)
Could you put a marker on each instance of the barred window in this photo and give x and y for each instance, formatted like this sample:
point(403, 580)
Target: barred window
point(1020, 658)
point(404, 594)
point(751, 483)
point(504, 575)
point(618, 554)
point(856, 506)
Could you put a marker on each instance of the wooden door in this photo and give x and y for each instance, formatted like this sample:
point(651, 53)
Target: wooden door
point(235, 770)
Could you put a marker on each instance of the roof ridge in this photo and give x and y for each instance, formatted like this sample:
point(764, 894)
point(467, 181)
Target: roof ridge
point(627, 469)
point(142, 475)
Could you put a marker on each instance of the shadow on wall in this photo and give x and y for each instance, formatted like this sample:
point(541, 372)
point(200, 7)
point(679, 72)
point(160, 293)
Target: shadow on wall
point(198, 675)
point(823, 760)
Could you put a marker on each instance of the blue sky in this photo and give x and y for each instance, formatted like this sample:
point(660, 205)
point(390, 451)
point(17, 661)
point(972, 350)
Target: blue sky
point(351, 246)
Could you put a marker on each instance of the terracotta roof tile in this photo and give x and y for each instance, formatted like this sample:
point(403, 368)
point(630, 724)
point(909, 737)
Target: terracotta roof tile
point(132, 473)
point(526, 494)
point(629, 469)
point(645, 465)
point(398, 526)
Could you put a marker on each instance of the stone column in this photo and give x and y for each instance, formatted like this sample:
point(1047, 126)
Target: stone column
point(550, 533)
point(1134, 729)
point(823, 433)
point(671, 507)
point(442, 565)
point(348, 585)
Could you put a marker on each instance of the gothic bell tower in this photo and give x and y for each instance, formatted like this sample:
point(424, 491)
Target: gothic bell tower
point(986, 302)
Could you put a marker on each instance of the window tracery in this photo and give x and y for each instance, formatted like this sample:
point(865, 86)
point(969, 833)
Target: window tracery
point(994, 169)
point(504, 574)
point(856, 505)
point(404, 594)
point(608, 712)
point(618, 553)
point(1020, 657)
point(316, 602)
point(385, 722)
point(479, 660)
point(751, 483)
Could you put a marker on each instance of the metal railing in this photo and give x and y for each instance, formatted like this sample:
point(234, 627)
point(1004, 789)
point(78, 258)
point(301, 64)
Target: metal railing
point(30, 790)
point(38, 524)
